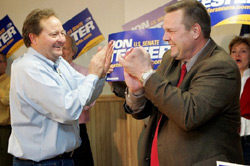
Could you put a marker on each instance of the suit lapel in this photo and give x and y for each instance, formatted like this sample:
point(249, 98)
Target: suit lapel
point(173, 71)
point(207, 51)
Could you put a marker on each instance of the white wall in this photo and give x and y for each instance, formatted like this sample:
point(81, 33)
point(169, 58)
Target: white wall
point(109, 15)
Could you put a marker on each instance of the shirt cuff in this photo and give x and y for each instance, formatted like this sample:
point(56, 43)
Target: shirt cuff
point(135, 103)
point(146, 79)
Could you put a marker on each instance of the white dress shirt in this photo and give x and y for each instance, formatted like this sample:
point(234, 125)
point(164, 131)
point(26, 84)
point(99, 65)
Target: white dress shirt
point(46, 100)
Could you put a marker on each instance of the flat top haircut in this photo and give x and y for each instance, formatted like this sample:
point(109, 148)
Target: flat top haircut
point(194, 12)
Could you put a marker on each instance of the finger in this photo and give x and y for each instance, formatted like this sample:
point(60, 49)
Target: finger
point(129, 51)
point(110, 48)
point(121, 60)
point(109, 54)
point(110, 70)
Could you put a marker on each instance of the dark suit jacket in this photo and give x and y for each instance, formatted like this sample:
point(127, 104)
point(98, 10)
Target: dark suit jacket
point(201, 118)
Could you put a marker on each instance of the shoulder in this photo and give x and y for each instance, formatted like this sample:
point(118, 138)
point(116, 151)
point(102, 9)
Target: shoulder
point(216, 57)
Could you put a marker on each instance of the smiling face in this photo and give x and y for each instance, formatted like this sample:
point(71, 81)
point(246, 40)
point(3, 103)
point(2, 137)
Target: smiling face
point(68, 52)
point(50, 41)
point(240, 52)
point(180, 39)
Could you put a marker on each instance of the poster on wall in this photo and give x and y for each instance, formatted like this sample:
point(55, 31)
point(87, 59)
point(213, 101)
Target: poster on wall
point(150, 39)
point(221, 12)
point(153, 19)
point(228, 12)
point(84, 30)
point(10, 38)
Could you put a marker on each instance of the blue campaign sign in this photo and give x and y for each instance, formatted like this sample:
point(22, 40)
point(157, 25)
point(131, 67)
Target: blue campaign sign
point(10, 38)
point(228, 11)
point(150, 39)
point(84, 30)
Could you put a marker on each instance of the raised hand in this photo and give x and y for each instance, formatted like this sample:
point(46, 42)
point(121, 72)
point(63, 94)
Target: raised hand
point(101, 61)
point(136, 62)
point(109, 54)
point(134, 85)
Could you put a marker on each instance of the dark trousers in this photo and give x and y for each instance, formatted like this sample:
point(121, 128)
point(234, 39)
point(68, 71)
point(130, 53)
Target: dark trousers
point(83, 156)
point(5, 158)
point(245, 143)
point(51, 162)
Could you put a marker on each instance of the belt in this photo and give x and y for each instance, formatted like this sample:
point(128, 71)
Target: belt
point(66, 155)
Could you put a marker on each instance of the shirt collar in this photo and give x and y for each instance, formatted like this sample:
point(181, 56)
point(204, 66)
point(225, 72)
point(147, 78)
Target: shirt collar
point(191, 62)
point(52, 64)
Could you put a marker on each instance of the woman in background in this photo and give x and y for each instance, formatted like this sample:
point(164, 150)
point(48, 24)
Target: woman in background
point(240, 51)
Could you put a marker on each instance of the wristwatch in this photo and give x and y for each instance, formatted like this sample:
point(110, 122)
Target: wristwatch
point(145, 75)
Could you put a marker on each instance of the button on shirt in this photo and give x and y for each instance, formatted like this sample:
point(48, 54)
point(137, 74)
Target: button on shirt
point(46, 100)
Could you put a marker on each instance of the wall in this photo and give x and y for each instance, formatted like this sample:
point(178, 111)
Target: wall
point(109, 15)
point(114, 138)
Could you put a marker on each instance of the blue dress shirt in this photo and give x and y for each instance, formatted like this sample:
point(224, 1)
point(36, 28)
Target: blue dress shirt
point(46, 100)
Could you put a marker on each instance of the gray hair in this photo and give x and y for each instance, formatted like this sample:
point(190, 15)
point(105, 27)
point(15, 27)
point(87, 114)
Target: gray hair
point(73, 43)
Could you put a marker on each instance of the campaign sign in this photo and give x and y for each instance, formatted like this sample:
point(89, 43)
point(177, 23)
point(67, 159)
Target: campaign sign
point(10, 38)
point(221, 12)
point(84, 30)
point(153, 19)
point(150, 39)
point(228, 11)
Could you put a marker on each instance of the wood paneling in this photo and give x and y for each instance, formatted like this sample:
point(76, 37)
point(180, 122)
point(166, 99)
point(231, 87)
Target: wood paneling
point(113, 134)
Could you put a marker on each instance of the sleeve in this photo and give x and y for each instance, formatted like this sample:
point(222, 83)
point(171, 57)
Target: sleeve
point(97, 90)
point(52, 98)
point(135, 103)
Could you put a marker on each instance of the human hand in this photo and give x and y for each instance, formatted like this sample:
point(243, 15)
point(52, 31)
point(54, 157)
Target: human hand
point(136, 62)
point(134, 85)
point(108, 58)
point(111, 69)
point(101, 61)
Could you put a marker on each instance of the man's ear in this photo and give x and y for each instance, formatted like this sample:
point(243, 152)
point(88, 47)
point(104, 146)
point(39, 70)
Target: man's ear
point(32, 37)
point(196, 29)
